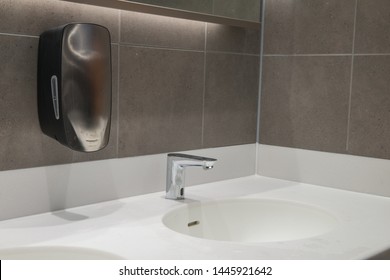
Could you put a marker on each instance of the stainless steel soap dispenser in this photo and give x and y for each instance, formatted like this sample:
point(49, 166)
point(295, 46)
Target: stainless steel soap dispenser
point(74, 85)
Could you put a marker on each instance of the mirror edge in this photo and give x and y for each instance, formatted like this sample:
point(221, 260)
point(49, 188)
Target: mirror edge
point(162, 11)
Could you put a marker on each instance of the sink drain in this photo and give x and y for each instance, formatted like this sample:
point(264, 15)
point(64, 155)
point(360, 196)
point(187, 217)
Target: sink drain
point(194, 223)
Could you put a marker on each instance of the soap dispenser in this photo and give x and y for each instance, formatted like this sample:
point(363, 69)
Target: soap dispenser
point(74, 85)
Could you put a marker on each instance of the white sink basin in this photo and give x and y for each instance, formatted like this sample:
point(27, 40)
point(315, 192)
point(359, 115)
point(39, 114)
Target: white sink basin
point(250, 220)
point(55, 253)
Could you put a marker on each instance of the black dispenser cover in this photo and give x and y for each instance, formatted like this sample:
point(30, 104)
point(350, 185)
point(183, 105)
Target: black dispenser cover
point(74, 85)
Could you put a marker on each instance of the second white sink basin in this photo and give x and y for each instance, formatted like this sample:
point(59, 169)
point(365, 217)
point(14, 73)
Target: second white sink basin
point(55, 253)
point(250, 220)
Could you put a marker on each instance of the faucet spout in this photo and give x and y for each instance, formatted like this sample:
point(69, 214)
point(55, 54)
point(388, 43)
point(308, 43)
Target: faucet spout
point(176, 164)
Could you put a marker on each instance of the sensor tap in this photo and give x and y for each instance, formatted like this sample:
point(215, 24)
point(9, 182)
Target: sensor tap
point(176, 164)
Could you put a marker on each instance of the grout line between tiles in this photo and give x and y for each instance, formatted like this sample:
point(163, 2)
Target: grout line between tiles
point(260, 68)
point(289, 55)
point(184, 50)
point(371, 54)
point(204, 82)
point(260, 83)
point(351, 80)
point(118, 81)
point(124, 44)
point(235, 53)
point(19, 35)
point(335, 54)
point(119, 26)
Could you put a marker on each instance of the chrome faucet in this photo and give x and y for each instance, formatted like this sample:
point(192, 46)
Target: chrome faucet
point(176, 163)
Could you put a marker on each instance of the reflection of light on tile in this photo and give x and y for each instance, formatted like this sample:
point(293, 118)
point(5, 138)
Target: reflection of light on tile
point(164, 21)
point(221, 27)
point(161, 31)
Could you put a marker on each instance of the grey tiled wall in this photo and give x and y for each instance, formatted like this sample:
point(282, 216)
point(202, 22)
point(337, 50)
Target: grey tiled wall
point(325, 81)
point(177, 84)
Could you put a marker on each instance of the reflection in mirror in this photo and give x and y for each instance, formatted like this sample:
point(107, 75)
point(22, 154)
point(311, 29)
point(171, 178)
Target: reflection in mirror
point(248, 10)
point(242, 13)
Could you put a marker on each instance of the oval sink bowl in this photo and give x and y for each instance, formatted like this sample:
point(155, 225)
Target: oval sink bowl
point(250, 220)
point(55, 253)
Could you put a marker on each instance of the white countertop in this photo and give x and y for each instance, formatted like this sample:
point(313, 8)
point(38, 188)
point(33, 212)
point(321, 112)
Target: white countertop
point(132, 227)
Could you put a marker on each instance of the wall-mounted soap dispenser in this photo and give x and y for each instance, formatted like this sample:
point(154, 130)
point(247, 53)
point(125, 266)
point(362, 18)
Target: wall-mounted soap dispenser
point(74, 85)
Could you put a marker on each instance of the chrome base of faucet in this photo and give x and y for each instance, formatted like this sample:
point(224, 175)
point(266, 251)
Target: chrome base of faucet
point(176, 164)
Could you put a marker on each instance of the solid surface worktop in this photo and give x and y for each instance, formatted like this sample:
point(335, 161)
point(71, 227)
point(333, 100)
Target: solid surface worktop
point(132, 228)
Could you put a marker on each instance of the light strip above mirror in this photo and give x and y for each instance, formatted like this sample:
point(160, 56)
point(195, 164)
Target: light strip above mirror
point(156, 10)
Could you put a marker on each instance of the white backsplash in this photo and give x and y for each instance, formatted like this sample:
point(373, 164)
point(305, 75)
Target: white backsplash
point(36, 190)
point(354, 173)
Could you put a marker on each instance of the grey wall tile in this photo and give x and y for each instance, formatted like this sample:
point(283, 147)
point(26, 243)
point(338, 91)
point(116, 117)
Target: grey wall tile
point(305, 102)
point(230, 99)
point(370, 108)
point(161, 93)
point(32, 17)
point(159, 31)
point(246, 10)
point(225, 38)
point(22, 144)
point(308, 27)
point(372, 26)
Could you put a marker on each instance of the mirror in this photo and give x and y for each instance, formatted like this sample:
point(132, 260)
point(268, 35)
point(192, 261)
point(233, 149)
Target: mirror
point(248, 10)
point(243, 13)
